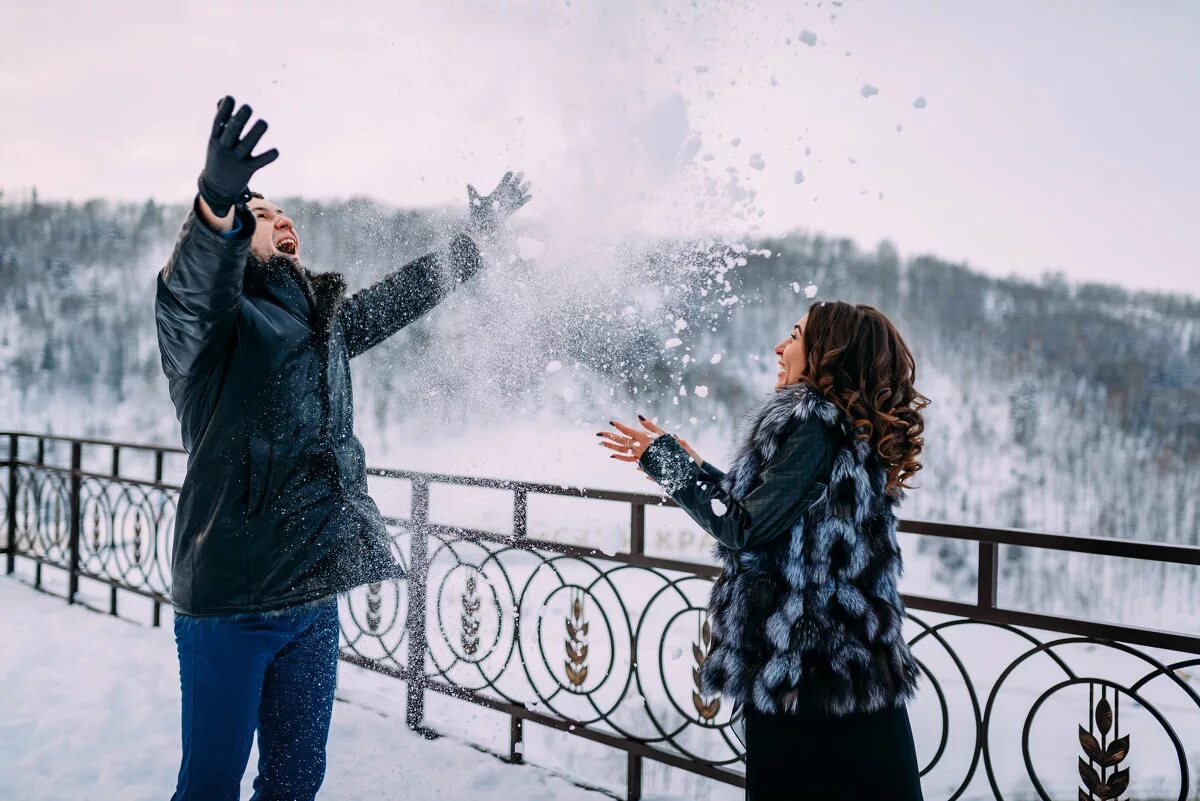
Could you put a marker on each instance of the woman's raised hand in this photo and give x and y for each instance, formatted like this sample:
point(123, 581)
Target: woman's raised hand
point(630, 443)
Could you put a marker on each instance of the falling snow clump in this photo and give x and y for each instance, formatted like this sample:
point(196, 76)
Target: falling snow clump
point(808, 37)
point(756, 161)
point(868, 90)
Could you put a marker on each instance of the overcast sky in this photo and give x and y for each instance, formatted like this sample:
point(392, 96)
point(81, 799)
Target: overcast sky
point(1055, 135)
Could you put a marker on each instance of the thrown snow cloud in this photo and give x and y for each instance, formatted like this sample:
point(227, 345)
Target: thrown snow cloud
point(530, 249)
point(663, 133)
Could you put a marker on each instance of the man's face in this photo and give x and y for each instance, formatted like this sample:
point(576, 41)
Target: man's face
point(273, 232)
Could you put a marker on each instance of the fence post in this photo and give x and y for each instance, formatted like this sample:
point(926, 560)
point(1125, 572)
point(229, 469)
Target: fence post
point(418, 574)
point(156, 619)
point(520, 513)
point(516, 740)
point(41, 462)
point(10, 546)
point(988, 574)
point(633, 774)
point(637, 529)
point(76, 514)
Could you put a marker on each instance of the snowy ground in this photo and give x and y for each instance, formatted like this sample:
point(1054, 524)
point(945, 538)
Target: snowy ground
point(90, 710)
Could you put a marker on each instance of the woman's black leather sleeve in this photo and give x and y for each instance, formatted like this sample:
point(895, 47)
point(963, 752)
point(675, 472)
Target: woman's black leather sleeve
point(778, 496)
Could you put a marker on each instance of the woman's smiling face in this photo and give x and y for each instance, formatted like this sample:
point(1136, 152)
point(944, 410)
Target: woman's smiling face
point(791, 355)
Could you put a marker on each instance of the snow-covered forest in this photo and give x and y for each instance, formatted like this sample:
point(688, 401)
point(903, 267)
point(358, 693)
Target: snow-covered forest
point(1056, 406)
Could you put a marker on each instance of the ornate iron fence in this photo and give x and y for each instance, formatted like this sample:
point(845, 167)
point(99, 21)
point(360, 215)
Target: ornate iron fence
point(607, 644)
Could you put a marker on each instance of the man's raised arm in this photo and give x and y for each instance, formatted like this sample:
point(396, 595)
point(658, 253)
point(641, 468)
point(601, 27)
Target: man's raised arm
point(373, 314)
point(200, 287)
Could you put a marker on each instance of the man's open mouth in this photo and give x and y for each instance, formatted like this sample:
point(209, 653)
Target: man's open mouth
point(286, 245)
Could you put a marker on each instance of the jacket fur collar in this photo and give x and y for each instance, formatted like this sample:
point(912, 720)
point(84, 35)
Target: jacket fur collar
point(324, 291)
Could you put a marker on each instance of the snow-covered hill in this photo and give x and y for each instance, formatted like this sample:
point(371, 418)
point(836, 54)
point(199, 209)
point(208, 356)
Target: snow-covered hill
point(1060, 407)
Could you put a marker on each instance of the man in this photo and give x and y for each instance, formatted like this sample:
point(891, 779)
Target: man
point(273, 519)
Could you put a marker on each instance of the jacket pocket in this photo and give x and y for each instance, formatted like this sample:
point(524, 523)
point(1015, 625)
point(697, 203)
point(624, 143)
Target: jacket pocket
point(260, 476)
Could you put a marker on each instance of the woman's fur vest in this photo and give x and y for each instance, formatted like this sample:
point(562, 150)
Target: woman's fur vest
point(813, 620)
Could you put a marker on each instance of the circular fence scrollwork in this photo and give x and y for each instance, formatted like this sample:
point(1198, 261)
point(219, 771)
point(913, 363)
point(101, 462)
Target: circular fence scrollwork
point(43, 513)
point(620, 647)
point(374, 619)
point(125, 528)
point(126, 533)
point(1051, 719)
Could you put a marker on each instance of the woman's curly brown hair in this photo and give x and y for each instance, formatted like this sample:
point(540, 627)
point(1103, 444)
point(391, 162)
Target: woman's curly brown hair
point(857, 359)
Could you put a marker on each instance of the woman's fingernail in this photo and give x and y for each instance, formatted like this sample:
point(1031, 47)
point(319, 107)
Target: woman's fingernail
point(640, 417)
point(599, 433)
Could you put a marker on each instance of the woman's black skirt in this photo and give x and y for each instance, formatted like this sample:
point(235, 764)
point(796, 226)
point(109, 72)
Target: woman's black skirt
point(809, 757)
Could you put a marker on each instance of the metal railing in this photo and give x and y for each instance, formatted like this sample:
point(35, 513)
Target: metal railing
point(607, 645)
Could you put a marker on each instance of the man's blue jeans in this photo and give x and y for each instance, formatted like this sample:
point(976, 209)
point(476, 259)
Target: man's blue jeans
point(272, 672)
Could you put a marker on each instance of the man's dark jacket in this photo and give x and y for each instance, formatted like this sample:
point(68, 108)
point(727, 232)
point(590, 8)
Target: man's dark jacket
point(274, 509)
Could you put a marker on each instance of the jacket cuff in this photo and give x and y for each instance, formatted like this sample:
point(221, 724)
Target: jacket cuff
point(243, 223)
point(668, 463)
point(712, 473)
point(464, 257)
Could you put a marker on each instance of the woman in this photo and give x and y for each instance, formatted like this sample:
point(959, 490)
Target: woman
point(806, 616)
